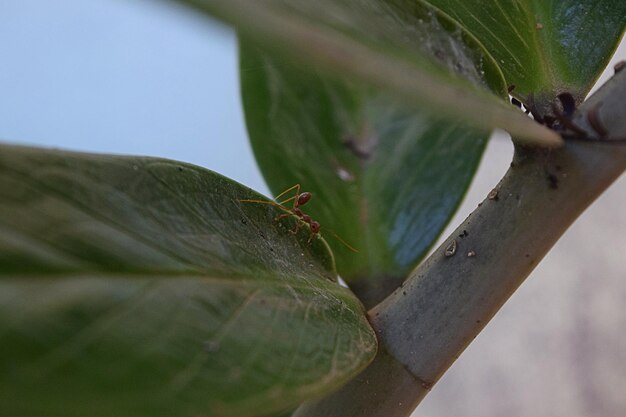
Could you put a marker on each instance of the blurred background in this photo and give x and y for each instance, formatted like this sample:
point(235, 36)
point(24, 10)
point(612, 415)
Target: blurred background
point(146, 77)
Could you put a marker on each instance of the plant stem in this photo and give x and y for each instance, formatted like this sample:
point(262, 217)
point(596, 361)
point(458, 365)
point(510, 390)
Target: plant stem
point(428, 322)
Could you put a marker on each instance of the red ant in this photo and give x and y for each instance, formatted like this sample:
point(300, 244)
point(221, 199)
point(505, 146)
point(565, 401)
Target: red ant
point(299, 199)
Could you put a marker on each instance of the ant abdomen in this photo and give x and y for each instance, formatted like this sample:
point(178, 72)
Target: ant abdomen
point(303, 198)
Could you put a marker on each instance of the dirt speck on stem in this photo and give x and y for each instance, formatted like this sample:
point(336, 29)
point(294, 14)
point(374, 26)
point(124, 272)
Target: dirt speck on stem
point(450, 249)
point(493, 195)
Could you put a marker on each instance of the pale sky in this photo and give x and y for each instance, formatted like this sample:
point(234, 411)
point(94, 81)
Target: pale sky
point(135, 77)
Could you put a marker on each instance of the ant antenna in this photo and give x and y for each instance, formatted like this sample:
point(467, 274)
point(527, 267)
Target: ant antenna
point(344, 242)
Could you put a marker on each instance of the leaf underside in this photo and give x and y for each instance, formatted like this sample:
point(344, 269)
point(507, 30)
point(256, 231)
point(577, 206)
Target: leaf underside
point(384, 178)
point(142, 286)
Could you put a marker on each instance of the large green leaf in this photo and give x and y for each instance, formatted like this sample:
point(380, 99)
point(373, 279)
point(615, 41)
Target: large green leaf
point(545, 47)
point(141, 287)
point(384, 178)
point(403, 48)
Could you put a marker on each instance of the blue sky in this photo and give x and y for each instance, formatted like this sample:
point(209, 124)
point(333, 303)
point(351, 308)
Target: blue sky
point(118, 76)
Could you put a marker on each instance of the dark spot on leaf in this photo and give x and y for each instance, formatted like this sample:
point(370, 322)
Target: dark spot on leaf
point(361, 146)
point(464, 234)
point(180, 169)
point(244, 221)
point(212, 347)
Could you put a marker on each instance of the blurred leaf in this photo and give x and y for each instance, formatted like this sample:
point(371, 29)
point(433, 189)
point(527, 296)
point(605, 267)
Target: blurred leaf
point(545, 47)
point(403, 48)
point(142, 287)
point(385, 179)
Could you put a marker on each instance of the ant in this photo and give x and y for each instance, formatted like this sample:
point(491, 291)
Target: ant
point(299, 199)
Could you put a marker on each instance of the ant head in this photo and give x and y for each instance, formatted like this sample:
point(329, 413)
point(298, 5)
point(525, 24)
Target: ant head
point(315, 226)
point(304, 198)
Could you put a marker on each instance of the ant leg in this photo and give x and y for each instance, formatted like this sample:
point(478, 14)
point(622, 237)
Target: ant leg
point(344, 242)
point(271, 203)
point(295, 187)
point(294, 199)
point(283, 216)
point(299, 199)
point(296, 227)
point(294, 212)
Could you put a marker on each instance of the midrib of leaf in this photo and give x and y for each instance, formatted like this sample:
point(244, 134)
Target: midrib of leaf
point(541, 48)
point(337, 54)
point(537, 45)
point(260, 280)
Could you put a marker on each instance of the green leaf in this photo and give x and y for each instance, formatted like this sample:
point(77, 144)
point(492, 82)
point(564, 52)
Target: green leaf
point(142, 287)
point(406, 49)
point(384, 178)
point(545, 47)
